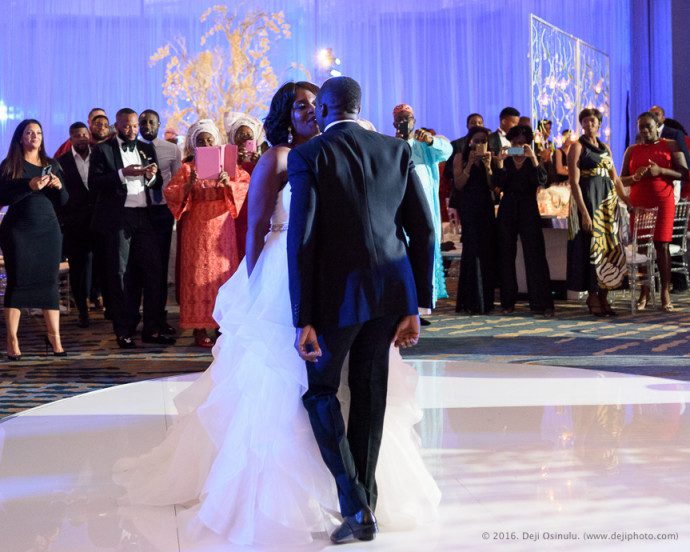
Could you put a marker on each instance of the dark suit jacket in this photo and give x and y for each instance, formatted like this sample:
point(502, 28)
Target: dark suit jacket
point(360, 236)
point(111, 193)
point(458, 146)
point(79, 209)
point(679, 137)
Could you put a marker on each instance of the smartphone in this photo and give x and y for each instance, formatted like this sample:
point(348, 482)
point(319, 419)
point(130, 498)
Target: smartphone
point(47, 170)
point(250, 146)
point(481, 148)
point(517, 150)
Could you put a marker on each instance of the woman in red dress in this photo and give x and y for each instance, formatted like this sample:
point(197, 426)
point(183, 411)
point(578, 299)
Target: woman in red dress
point(205, 211)
point(649, 168)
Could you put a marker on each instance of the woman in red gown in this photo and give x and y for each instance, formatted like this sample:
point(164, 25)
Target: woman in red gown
point(649, 168)
point(205, 211)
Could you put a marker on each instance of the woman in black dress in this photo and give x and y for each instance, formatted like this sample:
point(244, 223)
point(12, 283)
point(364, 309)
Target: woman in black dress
point(30, 237)
point(596, 260)
point(472, 176)
point(519, 177)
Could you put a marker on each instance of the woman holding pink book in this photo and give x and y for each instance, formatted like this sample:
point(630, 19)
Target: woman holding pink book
point(205, 210)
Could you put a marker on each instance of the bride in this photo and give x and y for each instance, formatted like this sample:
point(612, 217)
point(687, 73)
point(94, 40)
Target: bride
point(242, 457)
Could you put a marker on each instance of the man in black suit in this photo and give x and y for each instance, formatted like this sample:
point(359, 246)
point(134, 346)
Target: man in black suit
point(125, 172)
point(508, 118)
point(360, 260)
point(76, 215)
point(169, 162)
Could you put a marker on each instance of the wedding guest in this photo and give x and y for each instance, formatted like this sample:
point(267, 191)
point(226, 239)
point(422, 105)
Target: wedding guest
point(125, 175)
point(66, 146)
point(427, 152)
point(669, 132)
point(519, 177)
point(169, 162)
point(243, 129)
point(99, 127)
point(650, 168)
point(525, 121)
point(75, 218)
point(545, 150)
point(472, 174)
point(31, 185)
point(561, 157)
point(508, 118)
point(205, 210)
point(473, 120)
point(596, 262)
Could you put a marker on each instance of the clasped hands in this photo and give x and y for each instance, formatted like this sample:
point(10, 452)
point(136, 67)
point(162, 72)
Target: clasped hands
point(309, 350)
point(47, 180)
point(652, 169)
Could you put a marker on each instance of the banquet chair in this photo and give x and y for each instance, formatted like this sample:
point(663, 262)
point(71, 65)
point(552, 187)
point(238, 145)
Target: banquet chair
point(679, 246)
point(641, 254)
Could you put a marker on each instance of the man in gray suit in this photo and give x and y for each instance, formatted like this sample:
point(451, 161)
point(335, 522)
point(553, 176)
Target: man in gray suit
point(169, 162)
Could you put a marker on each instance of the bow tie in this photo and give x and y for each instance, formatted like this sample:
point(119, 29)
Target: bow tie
point(129, 146)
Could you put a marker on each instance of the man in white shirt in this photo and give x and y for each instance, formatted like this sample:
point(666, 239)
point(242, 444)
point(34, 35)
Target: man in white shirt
point(125, 175)
point(169, 162)
point(508, 118)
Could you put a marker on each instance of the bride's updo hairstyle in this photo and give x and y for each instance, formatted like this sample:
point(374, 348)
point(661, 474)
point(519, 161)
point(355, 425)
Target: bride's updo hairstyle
point(278, 120)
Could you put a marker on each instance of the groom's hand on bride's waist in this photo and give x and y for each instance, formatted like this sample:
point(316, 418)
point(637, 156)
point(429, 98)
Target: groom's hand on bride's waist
point(407, 333)
point(307, 344)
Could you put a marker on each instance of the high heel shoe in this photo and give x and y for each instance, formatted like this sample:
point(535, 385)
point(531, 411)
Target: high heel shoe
point(594, 306)
point(666, 304)
point(13, 358)
point(49, 346)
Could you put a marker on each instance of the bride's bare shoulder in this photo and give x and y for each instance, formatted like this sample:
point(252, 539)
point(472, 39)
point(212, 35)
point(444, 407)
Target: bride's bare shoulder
point(275, 159)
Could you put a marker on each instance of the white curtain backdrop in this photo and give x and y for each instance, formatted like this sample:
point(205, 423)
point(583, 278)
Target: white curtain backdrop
point(446, 58)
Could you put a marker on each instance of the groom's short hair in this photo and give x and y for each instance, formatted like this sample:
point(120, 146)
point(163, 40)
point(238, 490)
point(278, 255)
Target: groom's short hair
point(342, 93)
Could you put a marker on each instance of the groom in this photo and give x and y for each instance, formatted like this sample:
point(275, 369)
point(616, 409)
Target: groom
point(360, 259)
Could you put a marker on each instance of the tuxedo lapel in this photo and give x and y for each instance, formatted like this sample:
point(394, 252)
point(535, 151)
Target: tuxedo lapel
point(117, 155)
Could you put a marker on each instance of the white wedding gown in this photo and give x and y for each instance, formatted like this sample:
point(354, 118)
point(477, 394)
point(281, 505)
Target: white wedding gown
point(241, 457)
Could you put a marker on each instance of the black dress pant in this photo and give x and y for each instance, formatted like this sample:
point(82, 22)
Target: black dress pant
point(519, 215)
point(162, 221)
point(78, 248)
point(133, 262)
point(351, 458)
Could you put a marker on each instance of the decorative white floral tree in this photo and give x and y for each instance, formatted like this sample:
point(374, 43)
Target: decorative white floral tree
point(235, 75)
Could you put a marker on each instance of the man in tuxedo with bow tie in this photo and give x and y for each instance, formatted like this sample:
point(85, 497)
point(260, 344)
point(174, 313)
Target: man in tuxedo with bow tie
point(360, 260)
point(125, 174)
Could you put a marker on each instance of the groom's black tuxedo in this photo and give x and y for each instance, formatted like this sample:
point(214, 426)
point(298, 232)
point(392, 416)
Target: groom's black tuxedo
point(360, 256)
point(360, 233)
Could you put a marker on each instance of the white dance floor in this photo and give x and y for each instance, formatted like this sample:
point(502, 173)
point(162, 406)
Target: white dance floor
point(528, 458)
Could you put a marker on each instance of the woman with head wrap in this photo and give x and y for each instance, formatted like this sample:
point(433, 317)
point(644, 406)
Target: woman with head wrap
point(243, 130)
point(205, 210)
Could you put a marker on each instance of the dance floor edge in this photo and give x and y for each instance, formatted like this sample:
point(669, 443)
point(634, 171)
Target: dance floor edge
point(528, 458)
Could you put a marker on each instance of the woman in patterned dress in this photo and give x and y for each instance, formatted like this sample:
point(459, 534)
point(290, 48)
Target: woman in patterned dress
point(205, 211)
point(596, 260)
point(649, 168)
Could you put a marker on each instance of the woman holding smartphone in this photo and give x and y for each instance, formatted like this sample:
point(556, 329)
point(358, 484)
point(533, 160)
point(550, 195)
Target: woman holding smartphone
point(472, 176)
point(30, 238)
point(519, 174)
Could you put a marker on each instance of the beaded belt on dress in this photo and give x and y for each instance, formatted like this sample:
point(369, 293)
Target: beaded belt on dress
point(279, 227)
point(598, 171)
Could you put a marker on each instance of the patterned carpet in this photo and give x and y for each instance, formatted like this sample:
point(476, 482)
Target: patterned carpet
point(650, 343)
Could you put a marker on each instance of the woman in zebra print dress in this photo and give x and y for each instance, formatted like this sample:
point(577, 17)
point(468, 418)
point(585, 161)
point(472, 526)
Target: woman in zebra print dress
point(596, 260)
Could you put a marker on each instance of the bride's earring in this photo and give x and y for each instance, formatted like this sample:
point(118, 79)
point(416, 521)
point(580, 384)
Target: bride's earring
point(290, 138)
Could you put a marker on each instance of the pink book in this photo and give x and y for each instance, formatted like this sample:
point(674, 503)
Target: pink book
point(210, 161)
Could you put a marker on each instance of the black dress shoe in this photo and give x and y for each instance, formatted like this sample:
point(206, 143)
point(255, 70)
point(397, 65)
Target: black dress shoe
point(125, 342)
point(167, 329)
point(362, 526)
point(424, 322)
point(158, 338)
